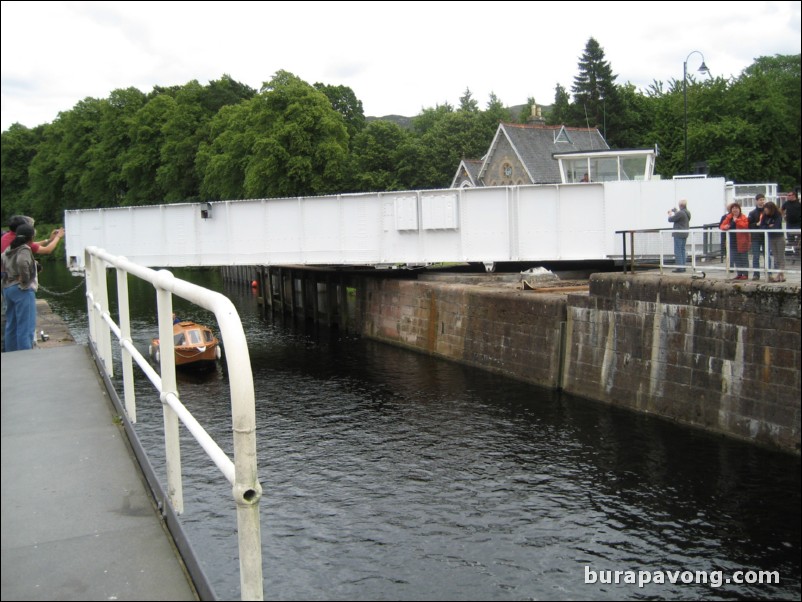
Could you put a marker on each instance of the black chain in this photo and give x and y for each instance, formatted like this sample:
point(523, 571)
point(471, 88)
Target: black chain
point(58, 294)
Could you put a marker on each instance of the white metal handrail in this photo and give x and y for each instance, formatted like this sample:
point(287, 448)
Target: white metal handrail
point(242, 472)
point(697, 259)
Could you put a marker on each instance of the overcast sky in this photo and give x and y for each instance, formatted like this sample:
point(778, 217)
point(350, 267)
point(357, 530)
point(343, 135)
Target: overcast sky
point(398, 57)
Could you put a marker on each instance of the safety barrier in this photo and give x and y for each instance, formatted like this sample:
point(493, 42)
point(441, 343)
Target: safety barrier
point(242, 472)
point(709, 250)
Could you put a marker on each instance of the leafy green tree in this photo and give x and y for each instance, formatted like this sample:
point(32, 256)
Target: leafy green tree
point(221, 93)
point(375, 157)
point(409, 158)
point(633, 120)
point(454, 136)
point(344, 101)
point(18, 148)
point(102, 183)
point(221, 162)
point(141, 161)
point(289, 141)
point(770, 94)
point(186, 127)
point(428, 117)
point(62, 159)
point(495, 113)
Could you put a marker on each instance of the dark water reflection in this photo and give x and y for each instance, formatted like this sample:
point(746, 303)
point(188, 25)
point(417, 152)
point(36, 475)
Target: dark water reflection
point(391, 475)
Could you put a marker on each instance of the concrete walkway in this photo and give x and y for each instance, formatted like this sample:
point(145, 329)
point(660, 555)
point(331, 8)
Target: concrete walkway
point(77, 521)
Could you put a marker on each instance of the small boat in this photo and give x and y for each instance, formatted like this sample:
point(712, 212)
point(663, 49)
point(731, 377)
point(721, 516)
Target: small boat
point(195, 346)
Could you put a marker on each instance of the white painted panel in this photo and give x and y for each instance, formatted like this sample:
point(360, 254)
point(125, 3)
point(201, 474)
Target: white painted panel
point(485, 224)
point(439, 211)
point(582, 222)
point(525, 223)
point(361, 218)
point(406, 212)
point(537, 222)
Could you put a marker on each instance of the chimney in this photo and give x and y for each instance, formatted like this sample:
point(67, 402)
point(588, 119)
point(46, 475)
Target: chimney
point(536, 118)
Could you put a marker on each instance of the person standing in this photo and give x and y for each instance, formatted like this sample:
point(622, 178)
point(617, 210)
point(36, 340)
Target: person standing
point(20, 282)
point(754, 218)
point(681, 218)
point(44, 247)
point(773, 220)
point(740, 242)
point(793, 219)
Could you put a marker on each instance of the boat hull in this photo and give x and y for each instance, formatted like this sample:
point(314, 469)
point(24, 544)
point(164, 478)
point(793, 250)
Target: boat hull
point(195, 347)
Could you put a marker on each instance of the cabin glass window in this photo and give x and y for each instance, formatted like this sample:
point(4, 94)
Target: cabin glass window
point(604, 170)
point(194, 337)
point(207, 335)
point(575, 170)
point(633, 168)
point(178, 339)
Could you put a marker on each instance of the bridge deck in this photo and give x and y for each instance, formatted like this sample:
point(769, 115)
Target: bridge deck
point(77, 521)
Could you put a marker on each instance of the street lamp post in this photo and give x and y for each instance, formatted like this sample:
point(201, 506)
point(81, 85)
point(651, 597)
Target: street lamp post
point(702, 69)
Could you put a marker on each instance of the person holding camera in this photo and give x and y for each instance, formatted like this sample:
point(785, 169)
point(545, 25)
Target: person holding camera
point(739, 242)
point(43, 247)
point(20, 281)
point(681, 218)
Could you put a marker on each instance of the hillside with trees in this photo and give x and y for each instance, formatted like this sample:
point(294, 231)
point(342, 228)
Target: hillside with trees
point(225, 140)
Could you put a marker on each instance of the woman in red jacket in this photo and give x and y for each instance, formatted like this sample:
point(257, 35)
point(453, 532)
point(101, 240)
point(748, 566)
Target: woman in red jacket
point(739, 242)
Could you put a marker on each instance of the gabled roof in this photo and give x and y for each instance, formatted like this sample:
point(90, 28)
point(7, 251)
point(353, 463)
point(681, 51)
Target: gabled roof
point(471, 168)
point(534, 146)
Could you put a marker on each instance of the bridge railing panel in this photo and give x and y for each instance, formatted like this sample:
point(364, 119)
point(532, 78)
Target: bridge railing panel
point(242, 471)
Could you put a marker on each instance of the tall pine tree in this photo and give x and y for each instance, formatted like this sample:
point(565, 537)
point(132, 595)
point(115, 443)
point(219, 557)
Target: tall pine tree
point(594, 89)
point(560, 110)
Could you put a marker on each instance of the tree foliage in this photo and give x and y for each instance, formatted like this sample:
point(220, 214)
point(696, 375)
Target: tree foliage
point(225, 140)
point(560, 110)
point(288, 140)
point(594, 89)
point(344, 101)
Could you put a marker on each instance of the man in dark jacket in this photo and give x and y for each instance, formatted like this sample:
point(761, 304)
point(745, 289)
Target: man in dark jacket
point(681, 218)
point(793, 219)
point(757, 237)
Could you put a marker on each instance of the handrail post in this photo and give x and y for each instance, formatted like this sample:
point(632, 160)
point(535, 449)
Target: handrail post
point(125, 332)
point(172, 443)
point(89, 263)
point(632, 248)
point(246, 491)
point(103, 332)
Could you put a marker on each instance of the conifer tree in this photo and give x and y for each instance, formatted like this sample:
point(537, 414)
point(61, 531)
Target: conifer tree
point(560, 111)
point(594, 89)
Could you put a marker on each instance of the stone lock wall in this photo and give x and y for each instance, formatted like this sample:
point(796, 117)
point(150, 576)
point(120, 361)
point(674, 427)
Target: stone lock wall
point(716, 355)
point(505, 331)
point(712, 354)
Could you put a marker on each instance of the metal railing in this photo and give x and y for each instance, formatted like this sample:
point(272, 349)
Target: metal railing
point(242, 472)
point(708, 249)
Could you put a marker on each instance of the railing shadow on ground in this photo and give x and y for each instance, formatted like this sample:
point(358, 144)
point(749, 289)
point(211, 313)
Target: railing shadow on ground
point(242, 472)
point(709, 250)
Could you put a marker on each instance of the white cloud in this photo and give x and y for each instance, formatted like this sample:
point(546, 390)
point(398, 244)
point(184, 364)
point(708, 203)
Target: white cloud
point(398, 57)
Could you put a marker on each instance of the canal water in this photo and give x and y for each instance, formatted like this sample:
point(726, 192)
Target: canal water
point(390, 475)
